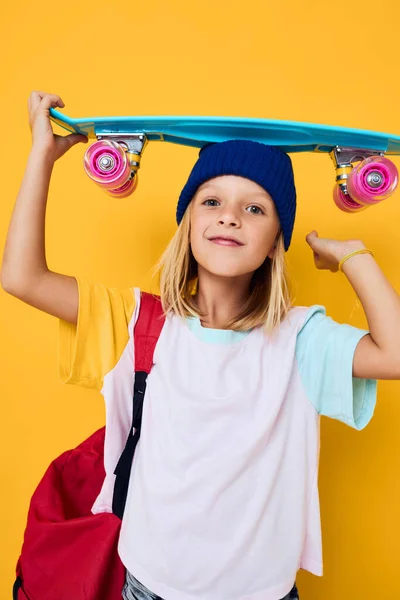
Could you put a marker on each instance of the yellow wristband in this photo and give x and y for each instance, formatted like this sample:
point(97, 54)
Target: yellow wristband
point(362, 251)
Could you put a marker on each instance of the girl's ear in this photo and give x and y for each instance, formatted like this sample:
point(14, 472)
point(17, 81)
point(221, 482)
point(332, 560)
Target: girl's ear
point(272, 252)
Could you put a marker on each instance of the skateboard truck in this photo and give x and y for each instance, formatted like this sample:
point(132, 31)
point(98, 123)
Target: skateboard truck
point(114, 160)
point(372, 180)
point(343, 159)
point(134, 144)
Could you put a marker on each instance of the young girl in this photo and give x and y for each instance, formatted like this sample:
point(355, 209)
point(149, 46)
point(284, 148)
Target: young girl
point(223, 498)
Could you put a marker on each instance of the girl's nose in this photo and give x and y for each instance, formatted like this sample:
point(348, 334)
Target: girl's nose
point(231, 221)
point(229, 217)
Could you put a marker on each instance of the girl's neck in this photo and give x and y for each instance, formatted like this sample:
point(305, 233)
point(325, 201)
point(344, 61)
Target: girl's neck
point(221, 299)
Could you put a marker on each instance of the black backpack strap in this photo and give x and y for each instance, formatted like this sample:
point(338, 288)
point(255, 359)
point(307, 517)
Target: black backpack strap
point(147, 331)
point(17, 586)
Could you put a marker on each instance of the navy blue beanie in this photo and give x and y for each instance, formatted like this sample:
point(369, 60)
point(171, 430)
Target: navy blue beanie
point(268, 166)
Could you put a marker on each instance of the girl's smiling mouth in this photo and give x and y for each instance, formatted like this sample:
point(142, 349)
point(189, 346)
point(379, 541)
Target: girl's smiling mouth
point(225, 241)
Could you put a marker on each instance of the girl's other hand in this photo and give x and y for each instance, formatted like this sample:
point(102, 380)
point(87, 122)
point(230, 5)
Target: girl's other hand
point(43, 138)
point(328, 253)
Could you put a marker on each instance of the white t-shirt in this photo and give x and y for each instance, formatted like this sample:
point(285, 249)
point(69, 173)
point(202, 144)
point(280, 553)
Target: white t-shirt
point(223, 496)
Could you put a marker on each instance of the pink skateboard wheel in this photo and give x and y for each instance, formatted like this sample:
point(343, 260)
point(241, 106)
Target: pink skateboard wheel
point(125, 190)
point(345, 202)
point(373, 180)
point(106, 163)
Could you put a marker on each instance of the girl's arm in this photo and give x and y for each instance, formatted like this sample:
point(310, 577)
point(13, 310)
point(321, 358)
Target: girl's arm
point(377, 355)
point(24, 271)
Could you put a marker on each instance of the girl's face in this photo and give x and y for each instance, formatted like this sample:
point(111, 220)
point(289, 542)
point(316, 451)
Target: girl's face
point(236, 207)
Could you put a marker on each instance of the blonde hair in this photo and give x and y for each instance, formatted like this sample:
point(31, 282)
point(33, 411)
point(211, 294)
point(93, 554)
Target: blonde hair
point(269, 300)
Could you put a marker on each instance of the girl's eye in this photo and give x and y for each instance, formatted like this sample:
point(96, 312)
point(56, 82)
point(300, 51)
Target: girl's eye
point(257, 211)
point(210, 200)
point(257, 208)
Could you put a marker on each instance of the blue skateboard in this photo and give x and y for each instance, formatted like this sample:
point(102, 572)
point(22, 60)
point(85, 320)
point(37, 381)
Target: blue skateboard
point(114, 159)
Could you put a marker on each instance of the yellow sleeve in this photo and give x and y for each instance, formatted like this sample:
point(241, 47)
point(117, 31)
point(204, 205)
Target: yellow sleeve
point(89, 350)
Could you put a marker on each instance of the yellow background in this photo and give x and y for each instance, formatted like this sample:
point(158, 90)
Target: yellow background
point(325, 62)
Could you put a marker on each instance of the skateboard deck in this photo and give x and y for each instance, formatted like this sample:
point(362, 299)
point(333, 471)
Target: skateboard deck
point(344, 145)
point(289, 136)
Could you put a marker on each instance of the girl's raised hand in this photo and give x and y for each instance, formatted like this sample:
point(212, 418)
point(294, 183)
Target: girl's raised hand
point(328, 253)
point(43, 138)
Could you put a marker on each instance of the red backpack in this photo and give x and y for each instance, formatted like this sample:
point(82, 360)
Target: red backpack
point(69, 553)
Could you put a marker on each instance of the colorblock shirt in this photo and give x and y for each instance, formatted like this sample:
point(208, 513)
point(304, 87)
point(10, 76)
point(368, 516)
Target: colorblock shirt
point(223, 497)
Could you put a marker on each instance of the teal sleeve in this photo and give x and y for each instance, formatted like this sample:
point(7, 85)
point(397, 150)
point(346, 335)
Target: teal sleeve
point(324, 352)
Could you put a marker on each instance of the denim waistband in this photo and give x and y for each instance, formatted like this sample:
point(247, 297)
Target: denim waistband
point(134, 590)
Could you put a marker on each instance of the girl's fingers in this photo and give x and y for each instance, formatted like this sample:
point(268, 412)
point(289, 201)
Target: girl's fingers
point(50, 100)
point(35, 99)
point(46, 100)
point(75, 138)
